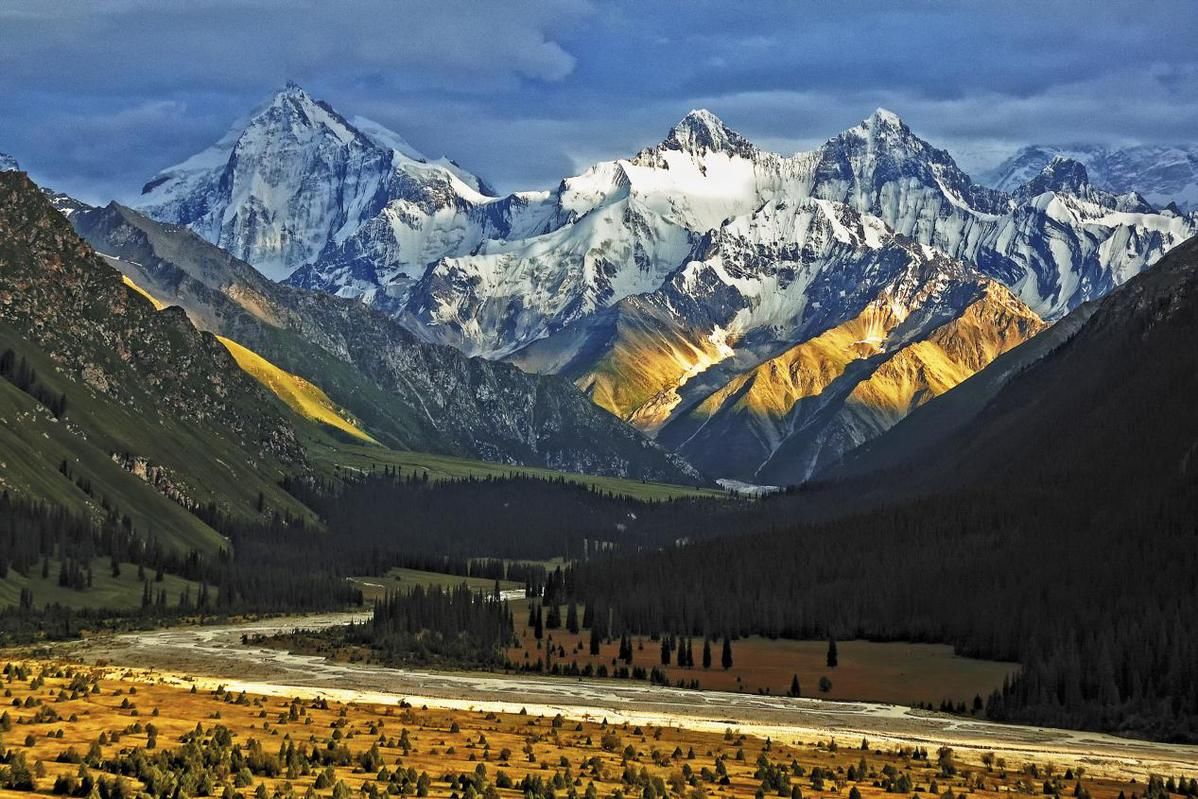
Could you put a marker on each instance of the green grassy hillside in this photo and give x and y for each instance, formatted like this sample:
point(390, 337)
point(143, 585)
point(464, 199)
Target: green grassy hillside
point(329, 456)
point(122, 592)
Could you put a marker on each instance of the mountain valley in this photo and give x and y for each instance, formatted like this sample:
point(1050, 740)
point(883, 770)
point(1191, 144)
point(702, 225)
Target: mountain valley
point(474, 421)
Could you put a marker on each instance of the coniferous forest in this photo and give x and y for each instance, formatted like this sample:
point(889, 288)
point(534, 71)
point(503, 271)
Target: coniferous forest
point(972, 569)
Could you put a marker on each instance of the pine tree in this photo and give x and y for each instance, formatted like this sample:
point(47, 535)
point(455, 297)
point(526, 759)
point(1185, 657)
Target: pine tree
point(706, 652)
point(538, 629)
point(594, 641)
point(665, 650)
point(726, 657)
point(795, 690)
point(572, 618)
point(833, 658)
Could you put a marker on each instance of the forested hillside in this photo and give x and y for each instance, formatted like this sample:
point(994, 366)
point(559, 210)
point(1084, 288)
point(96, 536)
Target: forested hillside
point(114, 405)
point(1056, 529)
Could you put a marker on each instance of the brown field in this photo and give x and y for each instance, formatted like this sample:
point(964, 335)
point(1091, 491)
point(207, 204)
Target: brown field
point(897, 673)
point(47, 719)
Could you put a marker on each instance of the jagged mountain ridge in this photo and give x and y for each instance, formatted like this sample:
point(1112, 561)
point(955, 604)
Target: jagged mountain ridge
point(410, 394)
point(786, 418)
point(622, 227)
point(597, 279)
point(1163, 174)
point(492, 274)
point(812, 305)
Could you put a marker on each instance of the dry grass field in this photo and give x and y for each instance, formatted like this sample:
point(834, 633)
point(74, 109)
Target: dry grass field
point(83, 730)
point(899, 673)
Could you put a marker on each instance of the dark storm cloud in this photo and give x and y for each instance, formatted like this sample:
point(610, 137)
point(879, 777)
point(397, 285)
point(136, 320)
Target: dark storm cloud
point(98, 96)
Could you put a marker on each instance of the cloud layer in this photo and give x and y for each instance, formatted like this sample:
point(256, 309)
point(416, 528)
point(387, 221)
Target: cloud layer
point(98, 96)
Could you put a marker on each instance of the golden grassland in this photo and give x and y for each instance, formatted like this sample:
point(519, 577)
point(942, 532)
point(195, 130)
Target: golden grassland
point(60, 714)
point(306, 399)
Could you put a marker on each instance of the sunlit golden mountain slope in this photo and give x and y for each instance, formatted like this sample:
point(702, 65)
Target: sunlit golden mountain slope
point(784, 419)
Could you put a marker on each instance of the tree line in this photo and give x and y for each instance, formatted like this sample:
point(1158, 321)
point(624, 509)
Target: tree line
point(254, 576)
point(16, 370)
point(427, 625)
point(514, 517)
point(1098, 615)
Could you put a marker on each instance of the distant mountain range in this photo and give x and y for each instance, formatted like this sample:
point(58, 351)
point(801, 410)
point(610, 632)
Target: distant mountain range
point(760, 314)
point(1162, 174)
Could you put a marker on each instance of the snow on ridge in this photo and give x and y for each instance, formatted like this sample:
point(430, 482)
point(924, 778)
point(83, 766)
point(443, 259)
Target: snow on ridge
point(424, 241)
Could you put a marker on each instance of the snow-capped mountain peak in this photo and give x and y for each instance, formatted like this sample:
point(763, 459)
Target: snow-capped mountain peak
point(884, 116)
point(1161, 173)
point(880, 166)
point(297, 183)
point(386, 138)
point(1067, 177)
point(8, 163)
point(701, 132)
point(1062, 174)
point(886, 130)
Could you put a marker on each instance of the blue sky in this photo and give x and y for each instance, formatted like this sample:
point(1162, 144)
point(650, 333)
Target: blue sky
point(98, 96)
